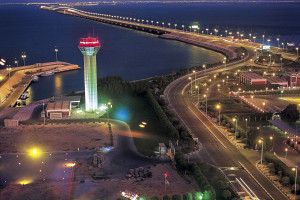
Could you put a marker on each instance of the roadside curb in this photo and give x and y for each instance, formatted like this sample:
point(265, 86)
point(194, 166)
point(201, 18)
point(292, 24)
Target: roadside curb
point(257, 181)
point(271, 180)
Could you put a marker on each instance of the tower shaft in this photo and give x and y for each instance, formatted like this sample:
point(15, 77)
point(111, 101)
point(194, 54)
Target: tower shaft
point(89, 47)
point(90, 83)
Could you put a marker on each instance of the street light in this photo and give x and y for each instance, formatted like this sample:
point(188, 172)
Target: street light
point(297, 51)
point(219, 108)
point(278, 42)
point(264, 105)
point(175, 26)
point(23, 57)
point(235, 120)
point(56, 50)
point(182, 27)
point(8, 69)
point(198, 93)
point(204, 66)
point(17, 63)
point(271, 138)
point(169, 24)
point(194, 71)
point(263, 36)
point(207, 31)
point(205, 103)
point(225, 61)
point(296, 171)
point(281, 63)
point(286, 150)
point(262, 150)
point(285, 133)
point(190, 78)
point(246, 123)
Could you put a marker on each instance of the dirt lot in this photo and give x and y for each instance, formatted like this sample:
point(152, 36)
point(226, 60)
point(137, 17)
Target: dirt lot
point(35, 191)
point(56, 137)
point(110, 189)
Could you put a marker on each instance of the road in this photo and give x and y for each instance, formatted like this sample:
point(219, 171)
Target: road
point(219, 150)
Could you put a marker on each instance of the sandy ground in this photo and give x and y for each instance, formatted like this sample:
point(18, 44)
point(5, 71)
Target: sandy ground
point(56, 137)
point(35, 191)
point(110, 189)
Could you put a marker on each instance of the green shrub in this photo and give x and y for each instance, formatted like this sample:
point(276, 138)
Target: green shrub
point(285, 180)
point(226, 194)
point(166, 197)
point(187, 196)
point(154, 198)
point(165, 122)
point(176, 197)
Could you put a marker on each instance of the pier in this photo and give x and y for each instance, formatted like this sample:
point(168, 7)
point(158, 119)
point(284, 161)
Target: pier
point(14, 82)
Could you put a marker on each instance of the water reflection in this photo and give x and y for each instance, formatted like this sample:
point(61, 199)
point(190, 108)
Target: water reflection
point(57, 85)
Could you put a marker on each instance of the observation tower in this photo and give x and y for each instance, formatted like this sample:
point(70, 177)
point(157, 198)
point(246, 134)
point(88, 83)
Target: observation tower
point(89, 47)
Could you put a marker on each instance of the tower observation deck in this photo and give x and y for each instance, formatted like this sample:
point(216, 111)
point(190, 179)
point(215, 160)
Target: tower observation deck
point(89, 47)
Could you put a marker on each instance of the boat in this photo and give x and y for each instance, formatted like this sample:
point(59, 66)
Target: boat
point(24, 95)
point(35, 78)
point(47, 73)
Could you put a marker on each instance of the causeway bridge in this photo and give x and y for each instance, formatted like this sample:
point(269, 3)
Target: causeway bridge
point(215, 43)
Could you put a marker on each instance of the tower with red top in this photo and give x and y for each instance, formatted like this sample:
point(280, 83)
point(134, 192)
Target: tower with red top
point(89, 47)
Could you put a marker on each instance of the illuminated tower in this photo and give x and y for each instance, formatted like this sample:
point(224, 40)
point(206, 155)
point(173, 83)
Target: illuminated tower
point(89, 47)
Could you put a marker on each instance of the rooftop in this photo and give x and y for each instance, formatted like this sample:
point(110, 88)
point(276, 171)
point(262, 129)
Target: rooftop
point(89, 42)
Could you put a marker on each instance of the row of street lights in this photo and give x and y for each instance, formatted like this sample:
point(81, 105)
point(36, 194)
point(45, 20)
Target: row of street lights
point(239, 34)
point(293, 169)
point(24, 56)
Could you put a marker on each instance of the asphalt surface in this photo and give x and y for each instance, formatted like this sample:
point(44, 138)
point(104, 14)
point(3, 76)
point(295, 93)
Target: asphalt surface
point(218, 149)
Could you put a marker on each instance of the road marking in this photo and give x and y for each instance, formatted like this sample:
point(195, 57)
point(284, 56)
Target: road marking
point(256, 180)
point(245, 189)
point(208, 129)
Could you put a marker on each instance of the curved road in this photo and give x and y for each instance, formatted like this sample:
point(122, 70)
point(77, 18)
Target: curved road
point(218, 149)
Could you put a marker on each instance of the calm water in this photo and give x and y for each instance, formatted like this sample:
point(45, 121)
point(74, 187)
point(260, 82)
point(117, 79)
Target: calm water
point(128, 53)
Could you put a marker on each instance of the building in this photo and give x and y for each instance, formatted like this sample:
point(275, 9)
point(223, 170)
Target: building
point(293, 78)
point(74, 100)
point(57, 110)
point(252, 79)
point(277, 81)
point(89, 47)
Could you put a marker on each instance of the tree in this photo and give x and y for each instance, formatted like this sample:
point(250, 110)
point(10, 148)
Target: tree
point(154, 198)
point(166, 197)
point(252, 137)
point(187, 196)
point(176, 197)
point(226, 194)
point(285, 180)
point(290, 113)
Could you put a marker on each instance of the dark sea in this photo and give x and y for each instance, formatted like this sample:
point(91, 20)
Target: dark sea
point(128, 53)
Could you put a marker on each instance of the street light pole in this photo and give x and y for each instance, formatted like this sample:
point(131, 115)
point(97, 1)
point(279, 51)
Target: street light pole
point(191, 83)
point(24, 57)
point(262, 150)
point(205, 104)
point(296, 170)
point(194, 71)
point(235, 132)
point(56, 50)
point(219, 107)
point(198, 93)
point(17, 63)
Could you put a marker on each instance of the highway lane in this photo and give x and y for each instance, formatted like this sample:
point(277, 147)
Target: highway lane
point(218, 148)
